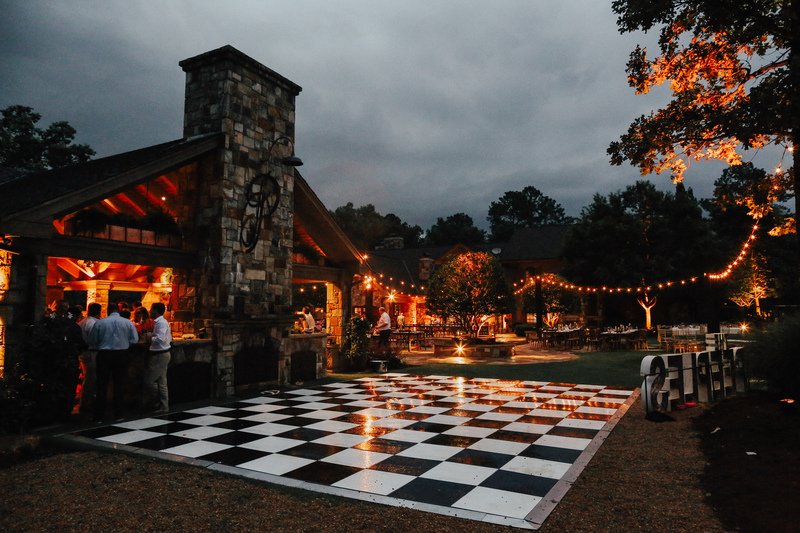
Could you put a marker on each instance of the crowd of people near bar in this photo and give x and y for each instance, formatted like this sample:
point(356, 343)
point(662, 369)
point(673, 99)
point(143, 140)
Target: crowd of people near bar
point(106, 346)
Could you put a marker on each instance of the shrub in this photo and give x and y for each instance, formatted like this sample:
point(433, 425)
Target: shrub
point(90, 220)
point(774, 356)
point(161, 223)
point(356, 337)
point(40, 382)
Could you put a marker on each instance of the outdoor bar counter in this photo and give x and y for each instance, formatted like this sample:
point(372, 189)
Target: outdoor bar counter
point(190, 375)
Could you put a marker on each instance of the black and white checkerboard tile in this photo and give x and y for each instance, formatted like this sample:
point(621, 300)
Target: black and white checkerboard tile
point(483, 449)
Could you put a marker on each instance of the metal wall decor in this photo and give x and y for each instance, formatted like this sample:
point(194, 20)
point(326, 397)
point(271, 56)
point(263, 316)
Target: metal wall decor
point(263, 195)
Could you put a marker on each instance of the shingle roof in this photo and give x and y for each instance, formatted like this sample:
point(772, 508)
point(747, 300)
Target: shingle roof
point(19, 192)
point(8, 174)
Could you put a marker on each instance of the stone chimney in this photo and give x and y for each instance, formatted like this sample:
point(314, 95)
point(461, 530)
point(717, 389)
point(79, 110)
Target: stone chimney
point(250, 106)
point(425, 267)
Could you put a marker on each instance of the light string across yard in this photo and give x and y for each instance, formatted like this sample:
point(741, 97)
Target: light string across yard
point(646, 288)
point(379, 279)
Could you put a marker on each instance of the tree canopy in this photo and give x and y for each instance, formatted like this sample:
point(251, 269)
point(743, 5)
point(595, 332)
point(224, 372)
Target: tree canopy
point(363, 225)
point(768, 267)
point(468, 287)
point(556, 298)
point(639, 236)
point(367, 228)
point(455, 229)
point(528, 208)
point(412, 235)
point(24, 146)
point(733, 72)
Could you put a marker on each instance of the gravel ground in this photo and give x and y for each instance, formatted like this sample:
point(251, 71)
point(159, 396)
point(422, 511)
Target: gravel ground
point(647, 476)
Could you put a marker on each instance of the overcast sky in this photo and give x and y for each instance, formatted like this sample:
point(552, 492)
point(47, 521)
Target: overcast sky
point(421, 108)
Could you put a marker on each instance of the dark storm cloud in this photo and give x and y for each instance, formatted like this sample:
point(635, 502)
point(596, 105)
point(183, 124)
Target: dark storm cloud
point(424, 109)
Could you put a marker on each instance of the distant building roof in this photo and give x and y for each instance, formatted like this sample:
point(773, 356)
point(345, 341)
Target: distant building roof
point(403, 265)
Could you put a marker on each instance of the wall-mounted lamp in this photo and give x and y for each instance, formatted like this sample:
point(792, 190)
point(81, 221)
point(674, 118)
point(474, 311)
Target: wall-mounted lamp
point(263, 194)
point(291, 160)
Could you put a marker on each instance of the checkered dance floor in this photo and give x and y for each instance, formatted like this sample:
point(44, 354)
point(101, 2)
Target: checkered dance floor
point(483, 449)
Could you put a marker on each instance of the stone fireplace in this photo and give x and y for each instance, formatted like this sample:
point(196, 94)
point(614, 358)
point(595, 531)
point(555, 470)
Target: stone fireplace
point(243, 293)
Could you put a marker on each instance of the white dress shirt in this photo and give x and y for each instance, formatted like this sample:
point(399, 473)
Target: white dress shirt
point(162, 335)
point(113, 333)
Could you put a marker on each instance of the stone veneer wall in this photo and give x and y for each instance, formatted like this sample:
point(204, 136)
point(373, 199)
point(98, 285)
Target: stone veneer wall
point(246, 294)
point(335, 310)
point(315, 342)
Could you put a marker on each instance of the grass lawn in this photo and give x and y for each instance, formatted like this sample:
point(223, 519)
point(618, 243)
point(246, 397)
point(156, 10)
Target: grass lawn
point(618, 368)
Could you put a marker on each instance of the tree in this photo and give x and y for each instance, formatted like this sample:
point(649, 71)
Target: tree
point(528, 208)
point(23, 146)
point(365, 227)
point(468, 287)
point(556, 296)
point(638, 238)
point(455, 229)
point(741, 194)
point(412, 235)
point(734, 72)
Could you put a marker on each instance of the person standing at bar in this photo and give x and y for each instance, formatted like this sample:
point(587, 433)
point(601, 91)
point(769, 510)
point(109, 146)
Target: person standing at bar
point(155, 377)
point(113, 336)
point(384, 330)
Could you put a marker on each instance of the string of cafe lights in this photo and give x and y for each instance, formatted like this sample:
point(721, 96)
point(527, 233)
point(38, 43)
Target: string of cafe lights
point(380, 281)
point(722, 274)
point(661, 285)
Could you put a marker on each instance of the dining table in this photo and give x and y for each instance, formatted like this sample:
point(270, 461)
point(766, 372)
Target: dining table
point(612, 338)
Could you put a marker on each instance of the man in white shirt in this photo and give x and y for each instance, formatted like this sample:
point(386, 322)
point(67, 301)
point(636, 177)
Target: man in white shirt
point(309, 320)
point(155, 376)
point(384, 330)
point(88, 357)
point(113, 336)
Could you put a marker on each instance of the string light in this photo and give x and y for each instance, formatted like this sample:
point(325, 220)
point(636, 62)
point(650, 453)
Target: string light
point(664, 284)
point(525, 284)
point(739, 258)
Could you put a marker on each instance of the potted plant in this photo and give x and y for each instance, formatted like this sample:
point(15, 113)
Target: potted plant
point(165, 230)
point(89, 222)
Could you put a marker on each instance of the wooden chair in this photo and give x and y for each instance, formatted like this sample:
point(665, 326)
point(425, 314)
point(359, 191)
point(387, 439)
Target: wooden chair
point(594, 340)
point(666, 339)
point(637, 340)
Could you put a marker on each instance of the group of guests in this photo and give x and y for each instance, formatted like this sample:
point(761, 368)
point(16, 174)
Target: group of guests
point(106, 351)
